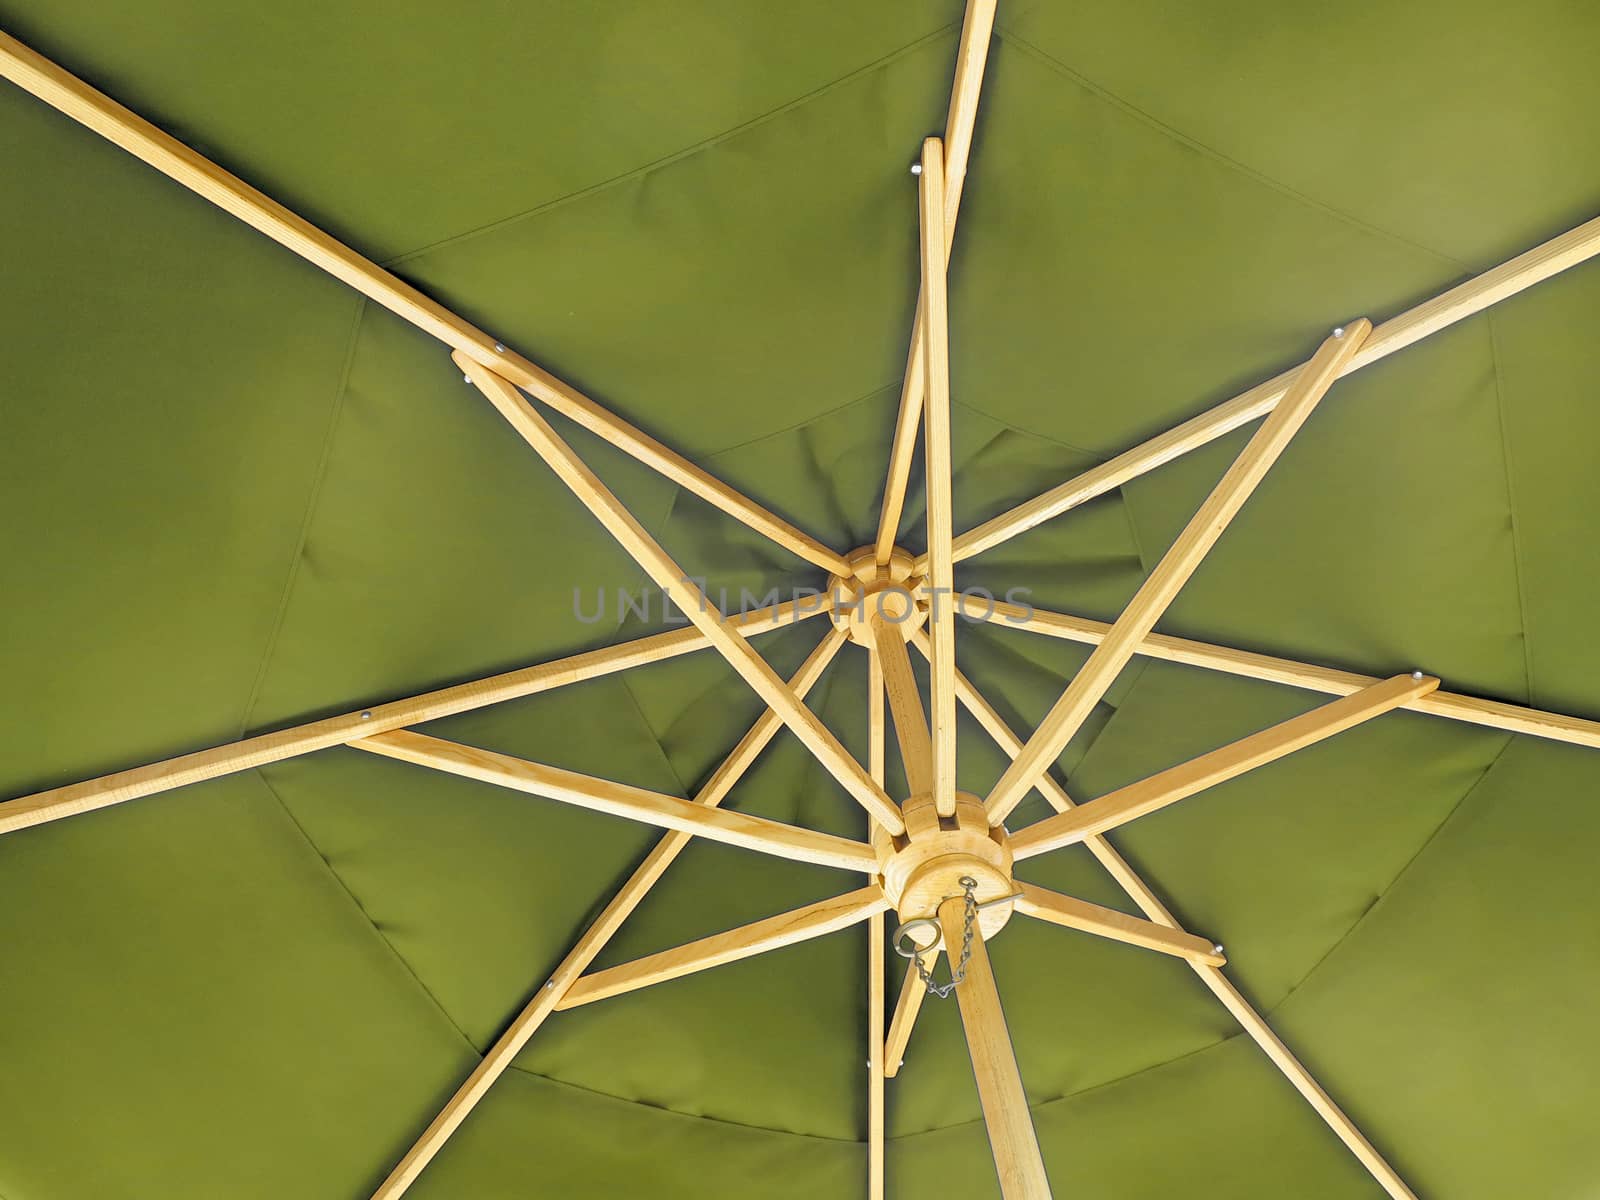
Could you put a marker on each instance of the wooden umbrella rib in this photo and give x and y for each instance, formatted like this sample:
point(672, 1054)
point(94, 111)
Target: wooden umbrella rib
point(1173, 571)
point(972, 56)
point(1452, 706)
point(266, 748)
point(1228, 762)
point(623, 800)
point(1460, 302)
point(671, 579)
point(70, 95)
point(759, 937)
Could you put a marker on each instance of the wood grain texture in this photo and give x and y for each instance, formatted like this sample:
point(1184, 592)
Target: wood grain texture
point(1173, 571)
point(1227, 762)
point(265, 748)
point(629, 896)
point(773, 933)
point(1460, 302)
point(909, 1003)
point(1015, 1146)
point(683, 591)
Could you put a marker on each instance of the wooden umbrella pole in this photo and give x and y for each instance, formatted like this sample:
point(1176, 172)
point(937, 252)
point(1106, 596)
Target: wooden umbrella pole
point(994, 1063)
point(510, 1043)
point(70, 95)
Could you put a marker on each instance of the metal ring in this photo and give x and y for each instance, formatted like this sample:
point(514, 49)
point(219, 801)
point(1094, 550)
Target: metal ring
point(916, 949)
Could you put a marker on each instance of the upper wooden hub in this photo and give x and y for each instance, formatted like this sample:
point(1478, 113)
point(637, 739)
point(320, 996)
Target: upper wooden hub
point(891, 588)
point(927, 863)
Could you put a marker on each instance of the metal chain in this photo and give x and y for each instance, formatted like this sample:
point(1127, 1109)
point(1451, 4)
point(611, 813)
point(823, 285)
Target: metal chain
point(958, 972)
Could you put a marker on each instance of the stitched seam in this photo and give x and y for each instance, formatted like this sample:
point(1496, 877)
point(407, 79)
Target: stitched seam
point(686, 152)
point(362, 909)
point(662, 1108)
point(1511, 504)
point(317, 481)
point(1160, 126)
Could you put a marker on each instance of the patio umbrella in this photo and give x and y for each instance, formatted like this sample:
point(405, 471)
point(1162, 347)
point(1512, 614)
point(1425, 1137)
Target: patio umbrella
point(805, 600)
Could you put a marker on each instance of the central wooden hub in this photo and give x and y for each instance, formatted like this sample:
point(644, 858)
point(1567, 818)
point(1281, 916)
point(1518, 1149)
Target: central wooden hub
point(892, 588)
point(927, 863)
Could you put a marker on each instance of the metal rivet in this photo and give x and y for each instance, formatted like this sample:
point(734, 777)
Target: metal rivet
point(549, 985)
point(1217, 949)
point(1416, 674)
point(366, 716)
point(1339, 332)
point(466, 379)
point(916, 168)
point(499, 348)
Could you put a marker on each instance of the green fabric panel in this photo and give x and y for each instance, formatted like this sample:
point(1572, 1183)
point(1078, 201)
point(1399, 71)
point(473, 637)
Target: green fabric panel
point(1456, 1017)
point(668, 297)
point(397, 125)
point(1547, 358)
point(195, 1008)
point(535, 1137)
point(169, 383)
point(1462, 128)
point(437, 548)
point(1108, 281)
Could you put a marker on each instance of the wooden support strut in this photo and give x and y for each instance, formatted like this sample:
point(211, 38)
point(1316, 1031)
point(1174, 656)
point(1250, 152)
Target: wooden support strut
point(1173, 571)
point(773, 933)
point(649, 872)
point(622, 800)
point(70, 95)
point(671, 579)
point(1168, 787)
point(877, 952)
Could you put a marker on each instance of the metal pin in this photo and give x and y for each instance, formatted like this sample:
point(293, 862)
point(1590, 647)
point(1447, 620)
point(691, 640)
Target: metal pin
point(366, 716)
point(466, 379)
point(1339, 332)
point(1217, 949)
point(916, 168)
point(1416, 674)
point(499, 348)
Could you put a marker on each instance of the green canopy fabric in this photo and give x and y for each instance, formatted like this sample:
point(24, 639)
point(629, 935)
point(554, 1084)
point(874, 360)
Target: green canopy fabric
point(238, 496)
